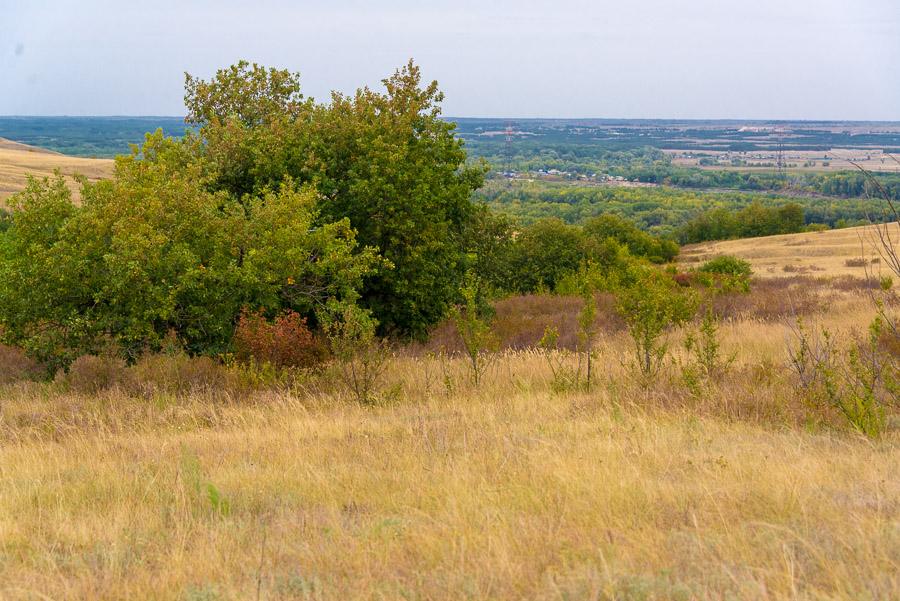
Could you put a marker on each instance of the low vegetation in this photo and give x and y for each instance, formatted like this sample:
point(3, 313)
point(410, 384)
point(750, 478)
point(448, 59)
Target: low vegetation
point(198, 480)
point(324, 372)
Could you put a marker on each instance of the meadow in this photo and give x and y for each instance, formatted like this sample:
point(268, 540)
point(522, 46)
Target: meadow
point(180, 478)
point(17, 161)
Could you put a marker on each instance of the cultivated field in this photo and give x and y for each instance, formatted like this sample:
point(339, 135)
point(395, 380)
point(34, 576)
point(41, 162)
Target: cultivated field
point(873, 160)
point(168, 483)
point(17, 161)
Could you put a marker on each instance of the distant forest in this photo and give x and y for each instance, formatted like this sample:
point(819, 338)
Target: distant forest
point(92, 137)
point(581, 153)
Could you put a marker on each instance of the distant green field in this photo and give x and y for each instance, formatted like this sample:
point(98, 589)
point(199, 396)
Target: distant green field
point(91, 137)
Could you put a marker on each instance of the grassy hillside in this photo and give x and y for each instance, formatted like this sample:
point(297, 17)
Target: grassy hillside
point(17, 161)
point(849, 252)
point(173, 483)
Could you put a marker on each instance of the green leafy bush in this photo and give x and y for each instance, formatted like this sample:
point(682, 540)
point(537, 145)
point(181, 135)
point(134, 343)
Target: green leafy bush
point(652, 306)
point(386, 162)
point(475, 331)
point(727, 265)
point(152, 251)
point(360, 354)
point(859, 381)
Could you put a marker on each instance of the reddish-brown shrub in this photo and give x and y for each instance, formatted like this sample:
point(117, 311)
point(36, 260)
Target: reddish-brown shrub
point(286, 342)
point(682, 279)
point(520, 321)
point(91, 374)
point(14, 365)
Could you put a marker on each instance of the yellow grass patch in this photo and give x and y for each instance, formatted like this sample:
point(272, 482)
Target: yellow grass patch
point(524, 495)
point(17, 161)
point(843, 252)
point(511, 491)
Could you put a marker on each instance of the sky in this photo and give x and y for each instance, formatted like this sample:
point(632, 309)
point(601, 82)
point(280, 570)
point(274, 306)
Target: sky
point(672, 59)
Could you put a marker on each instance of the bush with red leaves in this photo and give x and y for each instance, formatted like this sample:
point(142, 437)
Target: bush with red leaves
point(285, 342)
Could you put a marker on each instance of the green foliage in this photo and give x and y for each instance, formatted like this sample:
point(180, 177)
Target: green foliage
point(727, 265)
point(550, 253)
point(858, 381)
point(724, 274)
point(361, 355)
point(5, 220)
point(624, 231)
point(152, 250)
point(706, 363)
point(685, 215)
point(652, 305)
point(565, 375)
point(479, 342)
point(586, 334)
point(543, 253)
point(387, 162)
point(752, 221)
point(489, 240)
point(205, 497)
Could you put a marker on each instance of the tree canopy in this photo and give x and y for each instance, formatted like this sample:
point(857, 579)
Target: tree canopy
point(269, 202)
point(152, 250)
point(386, 161)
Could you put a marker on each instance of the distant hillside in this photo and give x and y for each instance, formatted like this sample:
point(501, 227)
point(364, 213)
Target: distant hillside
point(17, 161)
point(843, 252)
point(90, 137)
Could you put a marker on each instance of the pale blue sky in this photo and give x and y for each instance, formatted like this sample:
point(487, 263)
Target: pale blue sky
point(762, 59)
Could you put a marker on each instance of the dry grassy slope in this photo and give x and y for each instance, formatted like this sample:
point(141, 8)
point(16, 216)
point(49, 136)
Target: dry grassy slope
point(17, 161)
point(830, 253)
point(510, 491)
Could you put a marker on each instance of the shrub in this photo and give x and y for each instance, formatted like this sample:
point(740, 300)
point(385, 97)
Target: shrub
point(652, 306)
point(284, 343)
point(14, 365)
point(858, 381)
point(682, 279)
point(856, 262)
point(151, 250)
point(727, 265)
point(361, 355)
point(90, 374)
point(479, 342)
point(566, 376)
point(706, 362)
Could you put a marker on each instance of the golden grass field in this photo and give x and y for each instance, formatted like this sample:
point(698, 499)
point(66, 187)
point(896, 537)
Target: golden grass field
point(17, 161)
point(510, 491)
point(833, 253)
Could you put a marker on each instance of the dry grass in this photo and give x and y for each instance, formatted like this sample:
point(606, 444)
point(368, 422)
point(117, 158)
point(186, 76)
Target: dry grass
point(175, 484)
point(507, 493)
point(510, 491)
point(17, 161)
point(844, 252)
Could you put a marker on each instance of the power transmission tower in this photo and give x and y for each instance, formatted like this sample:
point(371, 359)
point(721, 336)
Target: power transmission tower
point(510, 130)
point(780, 163)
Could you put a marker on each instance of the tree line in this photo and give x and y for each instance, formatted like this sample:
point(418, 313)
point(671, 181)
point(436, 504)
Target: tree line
point(271, 204)
point(660, 210)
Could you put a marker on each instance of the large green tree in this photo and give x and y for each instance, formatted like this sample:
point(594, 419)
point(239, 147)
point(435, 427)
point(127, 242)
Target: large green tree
point(386, 161)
